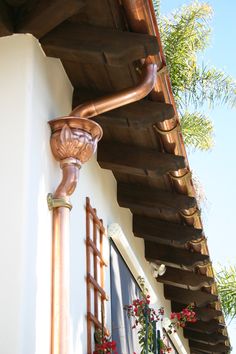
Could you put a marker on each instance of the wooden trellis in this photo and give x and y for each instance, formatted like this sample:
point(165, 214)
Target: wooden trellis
point(96, 295)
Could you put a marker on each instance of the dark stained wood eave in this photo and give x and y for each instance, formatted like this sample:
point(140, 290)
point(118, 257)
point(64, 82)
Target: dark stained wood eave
point(144, 198)
point(41, 17)
point(98, 52)
point(208, 327)
point(138, 115)
point(204, 313)
point(212, 339)
point(206, 348)
point(171, 256)
point(91, 44)
point(148, 162)
point(198, 297)
point(160, 231)
point(185, 279)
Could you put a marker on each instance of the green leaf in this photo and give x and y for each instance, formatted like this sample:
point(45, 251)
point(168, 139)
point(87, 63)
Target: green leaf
point(226, 284)
point(197, 131)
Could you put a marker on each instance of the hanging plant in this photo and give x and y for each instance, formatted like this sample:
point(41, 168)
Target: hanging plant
point(104, 344)
point(145, 318)
point(179, 319)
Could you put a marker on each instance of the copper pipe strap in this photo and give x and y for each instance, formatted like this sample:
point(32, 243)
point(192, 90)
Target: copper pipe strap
point(188, 174)
point(58, 202)
point(165, 132)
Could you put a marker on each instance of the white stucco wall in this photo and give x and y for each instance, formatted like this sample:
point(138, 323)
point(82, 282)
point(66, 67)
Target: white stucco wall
point(33, 90)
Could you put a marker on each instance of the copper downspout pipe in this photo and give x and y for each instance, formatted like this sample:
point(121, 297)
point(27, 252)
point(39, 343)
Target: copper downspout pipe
point(126, 96)
point(73, 141)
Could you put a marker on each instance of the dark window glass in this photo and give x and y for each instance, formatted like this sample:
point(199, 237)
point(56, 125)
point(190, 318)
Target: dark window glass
point(124, 289)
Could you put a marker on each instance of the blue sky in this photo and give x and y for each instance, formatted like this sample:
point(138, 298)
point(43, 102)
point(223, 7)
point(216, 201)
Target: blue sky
point(217, 169)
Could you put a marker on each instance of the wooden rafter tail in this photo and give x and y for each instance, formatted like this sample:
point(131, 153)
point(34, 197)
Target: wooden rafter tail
point(90, 44)
point(185, 279)
point(206, 348)
point(120, 158)
point(205, 313)
point(173, 256)
point(212, 339)
point(138, 115)
point(206, 327)
point(160, 231)
point(144, 198)
point(198, 297)
point(46, 15)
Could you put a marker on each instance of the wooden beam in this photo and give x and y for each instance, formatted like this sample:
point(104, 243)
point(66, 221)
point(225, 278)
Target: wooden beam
point(15, 3)
point(89, 44)
point(152, 229)
point(45, 15)
point(173, 257)
point(205, 327)
point(204, 314)
point(136, 160)
point(200, 298)
point(143, 198)
point(6, 26)
point(138, 115)
point(212, 339)
point(206, 348)
point(185, 279)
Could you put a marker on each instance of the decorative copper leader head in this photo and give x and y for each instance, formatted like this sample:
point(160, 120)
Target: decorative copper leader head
point(74, 137)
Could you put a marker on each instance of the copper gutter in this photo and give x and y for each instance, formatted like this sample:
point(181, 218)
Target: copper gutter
point(73, 141)
point(141, 18)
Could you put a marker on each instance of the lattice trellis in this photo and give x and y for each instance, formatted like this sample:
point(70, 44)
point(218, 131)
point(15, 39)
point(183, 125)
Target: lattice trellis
point(96, 295)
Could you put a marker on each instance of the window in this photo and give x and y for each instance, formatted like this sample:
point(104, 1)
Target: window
point(124, 289)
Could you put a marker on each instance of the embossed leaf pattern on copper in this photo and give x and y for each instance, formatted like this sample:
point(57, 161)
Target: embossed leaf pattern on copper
point(80, 145)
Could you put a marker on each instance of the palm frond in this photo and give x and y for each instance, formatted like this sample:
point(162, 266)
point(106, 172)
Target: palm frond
point(184, 34)
point(226, 284)
point(211, 86)
point(197, 131)
point(157, 5)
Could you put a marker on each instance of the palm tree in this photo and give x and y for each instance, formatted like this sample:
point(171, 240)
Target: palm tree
point(185, 34)
point(226, 284)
